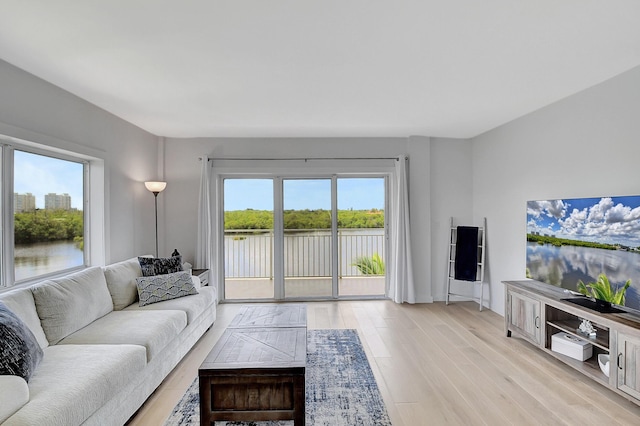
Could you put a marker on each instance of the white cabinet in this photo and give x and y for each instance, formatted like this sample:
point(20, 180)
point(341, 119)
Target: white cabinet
point(523, 315)
point(628, 361)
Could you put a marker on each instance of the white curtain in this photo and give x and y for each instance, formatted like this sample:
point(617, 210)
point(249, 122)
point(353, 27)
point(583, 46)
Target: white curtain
point(401, 285)
point(204, 247)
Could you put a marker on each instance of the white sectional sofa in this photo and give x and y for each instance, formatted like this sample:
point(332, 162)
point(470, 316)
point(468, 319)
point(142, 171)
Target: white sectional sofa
point(103, 354)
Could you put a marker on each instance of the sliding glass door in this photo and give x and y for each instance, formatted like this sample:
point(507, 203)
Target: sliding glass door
point(248, 239)
point(304, 238)
point(361, 236)
point(308, 238)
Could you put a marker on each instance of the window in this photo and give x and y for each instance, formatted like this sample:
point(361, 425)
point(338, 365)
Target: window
point(44, 208)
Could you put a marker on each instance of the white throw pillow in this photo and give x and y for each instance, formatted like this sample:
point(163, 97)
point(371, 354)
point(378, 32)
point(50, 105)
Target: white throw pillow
point(121, 281)
point(21, 302)
point(69, 303)
point(196, 281)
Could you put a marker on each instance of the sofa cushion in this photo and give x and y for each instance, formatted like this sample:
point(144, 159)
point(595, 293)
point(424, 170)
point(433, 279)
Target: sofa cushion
point(121, 281)
point(192, 305)
point(21, 303)
point(20, 352)
point(67, 304)
point(160, 265)
point(14, 393)
point(151, 329)
point(73, 381)
point(164, 287)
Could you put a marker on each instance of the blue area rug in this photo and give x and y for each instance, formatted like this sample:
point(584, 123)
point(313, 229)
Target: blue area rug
point(340, 387)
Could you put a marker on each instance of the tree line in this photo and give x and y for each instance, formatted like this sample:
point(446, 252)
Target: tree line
point(55, 225)
point(304, 219)
point(558, 242)
point(48, 225)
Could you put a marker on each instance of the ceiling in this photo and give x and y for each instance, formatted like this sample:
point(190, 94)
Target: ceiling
point(271, 68)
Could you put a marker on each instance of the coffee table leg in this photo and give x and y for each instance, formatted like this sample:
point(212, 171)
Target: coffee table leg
point(205, 401)
point(299, 401)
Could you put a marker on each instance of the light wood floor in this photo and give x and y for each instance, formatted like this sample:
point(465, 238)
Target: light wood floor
point(438, 364)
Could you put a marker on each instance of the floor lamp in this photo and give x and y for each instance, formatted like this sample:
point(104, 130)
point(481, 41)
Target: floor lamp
point(156, 188)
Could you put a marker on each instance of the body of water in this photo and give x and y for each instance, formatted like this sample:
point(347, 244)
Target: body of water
point(246, 255)
point(564, 266)
point(36, 259)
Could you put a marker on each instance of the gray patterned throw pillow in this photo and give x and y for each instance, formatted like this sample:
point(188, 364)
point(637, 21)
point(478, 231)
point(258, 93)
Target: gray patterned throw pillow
point(20, 352)
point(164, 287)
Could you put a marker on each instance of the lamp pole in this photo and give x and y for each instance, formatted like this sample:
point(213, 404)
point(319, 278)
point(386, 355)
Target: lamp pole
point(155, 198)
point(156, 188)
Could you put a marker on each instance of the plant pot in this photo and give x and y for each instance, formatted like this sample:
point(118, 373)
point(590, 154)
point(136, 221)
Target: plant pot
point(603, 305)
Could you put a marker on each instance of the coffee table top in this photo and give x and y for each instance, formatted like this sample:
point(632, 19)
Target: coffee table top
point(258, 348)
point(271, 315)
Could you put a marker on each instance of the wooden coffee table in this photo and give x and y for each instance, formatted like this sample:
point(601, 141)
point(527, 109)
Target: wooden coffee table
point(256, 373)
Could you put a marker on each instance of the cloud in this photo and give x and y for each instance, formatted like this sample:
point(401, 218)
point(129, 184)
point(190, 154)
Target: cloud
point(532, 226)
point(621, 213)
point(604, 221)
point(534, 209)
point(556, 209)
point(598, 211)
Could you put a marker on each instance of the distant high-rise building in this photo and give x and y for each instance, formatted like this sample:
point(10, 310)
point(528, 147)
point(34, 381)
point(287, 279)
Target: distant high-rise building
point(57, 201)
point(23, 202)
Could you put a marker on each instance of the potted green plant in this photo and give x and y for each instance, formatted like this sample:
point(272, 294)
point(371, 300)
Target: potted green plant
point(601, 290)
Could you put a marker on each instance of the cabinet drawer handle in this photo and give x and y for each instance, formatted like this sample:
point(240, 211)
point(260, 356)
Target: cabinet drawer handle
point(537, 322)
point(619, 363)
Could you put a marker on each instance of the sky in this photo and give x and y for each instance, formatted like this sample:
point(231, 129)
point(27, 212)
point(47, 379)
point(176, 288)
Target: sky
point(301, 194)
point(611, 220)
point(40, 175)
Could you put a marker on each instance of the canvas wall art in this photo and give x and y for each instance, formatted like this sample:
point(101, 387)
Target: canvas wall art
point(569, 240)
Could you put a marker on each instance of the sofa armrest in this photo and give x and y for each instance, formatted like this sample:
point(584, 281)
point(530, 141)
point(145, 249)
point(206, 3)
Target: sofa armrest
point(14, 393)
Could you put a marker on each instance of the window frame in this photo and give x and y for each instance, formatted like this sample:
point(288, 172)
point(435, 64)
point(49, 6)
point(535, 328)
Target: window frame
point(8, 146)
point(278, 169)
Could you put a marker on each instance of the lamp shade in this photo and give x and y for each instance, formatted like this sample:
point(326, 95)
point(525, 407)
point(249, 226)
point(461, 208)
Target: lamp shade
point(155, 186)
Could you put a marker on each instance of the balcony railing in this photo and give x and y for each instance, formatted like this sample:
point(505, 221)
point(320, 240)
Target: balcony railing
point(307, 252)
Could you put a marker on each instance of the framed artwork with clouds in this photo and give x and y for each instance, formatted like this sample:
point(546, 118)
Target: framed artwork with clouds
point(580, 238)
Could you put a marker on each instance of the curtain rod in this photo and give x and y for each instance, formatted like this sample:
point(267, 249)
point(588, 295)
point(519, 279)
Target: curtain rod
point(305, 159)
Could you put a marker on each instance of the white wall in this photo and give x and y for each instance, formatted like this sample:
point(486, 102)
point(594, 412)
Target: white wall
point(183, 170)
point(451, 195)
point(35, 110)
point(587, 145)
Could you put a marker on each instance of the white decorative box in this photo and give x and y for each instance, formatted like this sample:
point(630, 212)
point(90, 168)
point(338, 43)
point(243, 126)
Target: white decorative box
point(571, 346)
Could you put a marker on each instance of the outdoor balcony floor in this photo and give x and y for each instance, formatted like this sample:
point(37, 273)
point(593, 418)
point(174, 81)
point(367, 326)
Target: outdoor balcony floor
point(262, 288)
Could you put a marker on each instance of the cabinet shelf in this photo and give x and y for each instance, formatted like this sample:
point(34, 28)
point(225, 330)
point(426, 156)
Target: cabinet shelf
point(588, 367)
point(570, 327)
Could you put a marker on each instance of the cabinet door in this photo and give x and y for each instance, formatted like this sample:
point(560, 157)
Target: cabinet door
point(523, 316)
point(629, 364)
